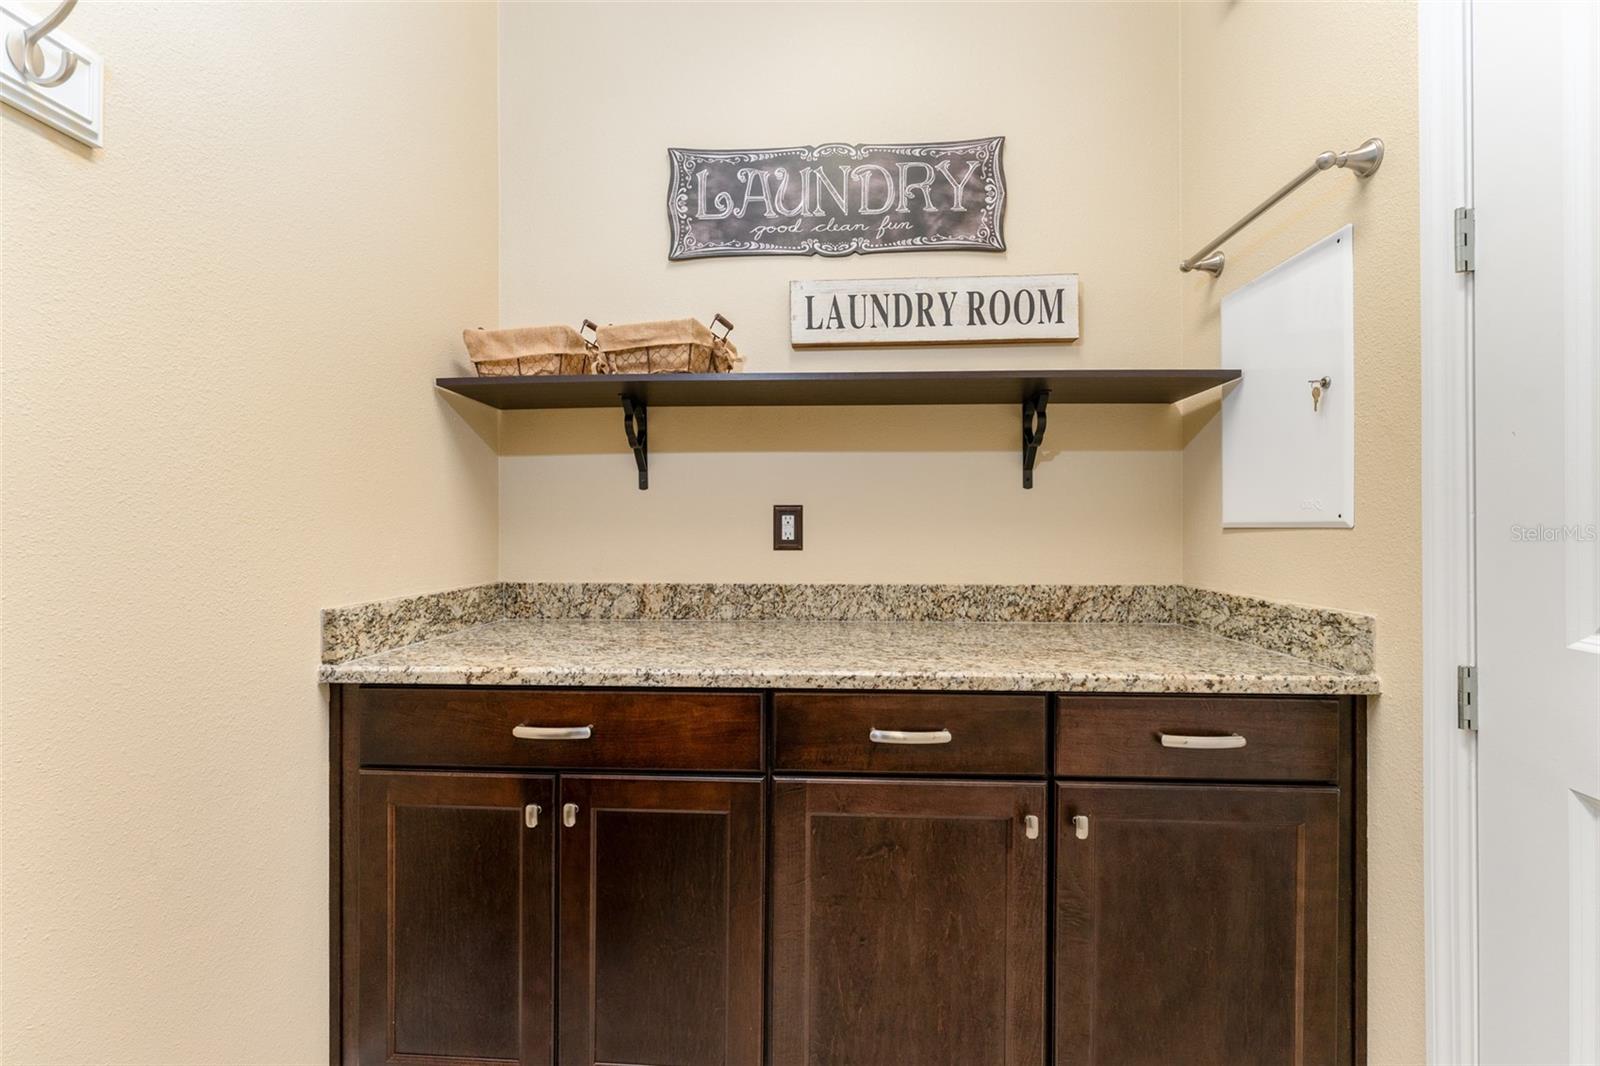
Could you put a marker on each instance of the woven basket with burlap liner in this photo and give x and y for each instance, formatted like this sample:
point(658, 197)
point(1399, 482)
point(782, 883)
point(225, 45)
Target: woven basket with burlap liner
point(530, 350)
point(675, 346)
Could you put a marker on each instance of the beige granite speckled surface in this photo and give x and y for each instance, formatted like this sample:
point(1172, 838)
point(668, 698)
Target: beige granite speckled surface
point(789, 653)
point(1340, 639)
point(1337, 641)
point(366, 628)
point(854, 603)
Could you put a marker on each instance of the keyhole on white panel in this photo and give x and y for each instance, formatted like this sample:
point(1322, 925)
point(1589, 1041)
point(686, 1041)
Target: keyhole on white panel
point(1318, 387)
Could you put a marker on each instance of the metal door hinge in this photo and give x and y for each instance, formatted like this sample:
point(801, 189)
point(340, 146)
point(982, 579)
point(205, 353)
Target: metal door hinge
point(1466, 697)
point(1466, 237)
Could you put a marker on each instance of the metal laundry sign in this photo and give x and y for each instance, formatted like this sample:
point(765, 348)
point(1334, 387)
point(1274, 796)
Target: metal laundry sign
point(837, 199)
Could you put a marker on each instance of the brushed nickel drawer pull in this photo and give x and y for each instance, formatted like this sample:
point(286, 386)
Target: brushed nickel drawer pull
point(552, 732)
point(1178, 740)
point(1030, 826)
point(901, 736)
point(530, 815)
point(1080, 826)
point(569, 815)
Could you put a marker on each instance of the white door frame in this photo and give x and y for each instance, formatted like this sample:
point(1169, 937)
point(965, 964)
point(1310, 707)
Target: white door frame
point(1449, 762)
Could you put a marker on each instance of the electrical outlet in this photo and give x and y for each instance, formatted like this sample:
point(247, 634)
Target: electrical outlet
point(788, 527)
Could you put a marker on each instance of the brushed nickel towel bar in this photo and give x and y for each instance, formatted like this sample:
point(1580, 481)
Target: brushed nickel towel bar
point(1363, 161)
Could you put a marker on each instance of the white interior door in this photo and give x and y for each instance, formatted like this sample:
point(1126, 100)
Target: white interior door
point(1536, 175)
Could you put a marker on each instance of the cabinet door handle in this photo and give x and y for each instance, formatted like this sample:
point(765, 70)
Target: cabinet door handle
point(569, 815)
point(530, 815)
point(552, 732)
point(901, 736)
point(1030, 826)
point(1080, 826)
point(1178, 740)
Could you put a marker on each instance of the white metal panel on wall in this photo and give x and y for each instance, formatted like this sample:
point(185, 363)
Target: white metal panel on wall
point(1288, 443)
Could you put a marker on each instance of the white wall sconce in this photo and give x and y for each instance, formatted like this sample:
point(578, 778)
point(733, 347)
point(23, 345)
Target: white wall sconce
point(48, 75)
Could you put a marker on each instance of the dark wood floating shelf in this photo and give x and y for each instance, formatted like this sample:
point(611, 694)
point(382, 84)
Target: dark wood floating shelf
point(927, 387)
point(1032, 389)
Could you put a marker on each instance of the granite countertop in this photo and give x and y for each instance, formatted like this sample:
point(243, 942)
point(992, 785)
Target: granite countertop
point(1074, 656)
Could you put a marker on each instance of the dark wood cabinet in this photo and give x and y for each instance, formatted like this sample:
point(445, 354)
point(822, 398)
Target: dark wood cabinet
point(1198, 924)
point(594, 878)
point(1199, 738)
point(661, 893)
point(850, 732)
point(454, 905)
point(507, 729)
point(908, 923)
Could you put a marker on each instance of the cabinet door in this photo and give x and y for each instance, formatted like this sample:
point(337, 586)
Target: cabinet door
point(661, 921)
point(1197, 924)
point(908, 923)
point(454, 892)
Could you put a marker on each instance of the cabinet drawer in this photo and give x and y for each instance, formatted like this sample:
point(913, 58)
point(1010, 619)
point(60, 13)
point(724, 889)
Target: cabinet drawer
point(597, 729)
point(909, 734)
point(1203, 738)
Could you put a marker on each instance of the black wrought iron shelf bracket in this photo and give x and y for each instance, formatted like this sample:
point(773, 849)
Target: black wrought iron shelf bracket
point(636, 424)
point(1033, 423)
point(635, 421)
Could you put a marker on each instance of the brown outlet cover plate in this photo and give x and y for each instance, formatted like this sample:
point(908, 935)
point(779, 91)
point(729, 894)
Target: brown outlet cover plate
point(778, 543)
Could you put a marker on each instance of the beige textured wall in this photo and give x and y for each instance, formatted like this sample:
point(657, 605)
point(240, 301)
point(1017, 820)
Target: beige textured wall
point(1086, 95)
point(1266, 86)
point(217, 337)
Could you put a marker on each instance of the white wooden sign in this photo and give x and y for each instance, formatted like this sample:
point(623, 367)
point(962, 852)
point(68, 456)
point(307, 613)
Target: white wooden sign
point(1040, 308)
point(75, 106)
